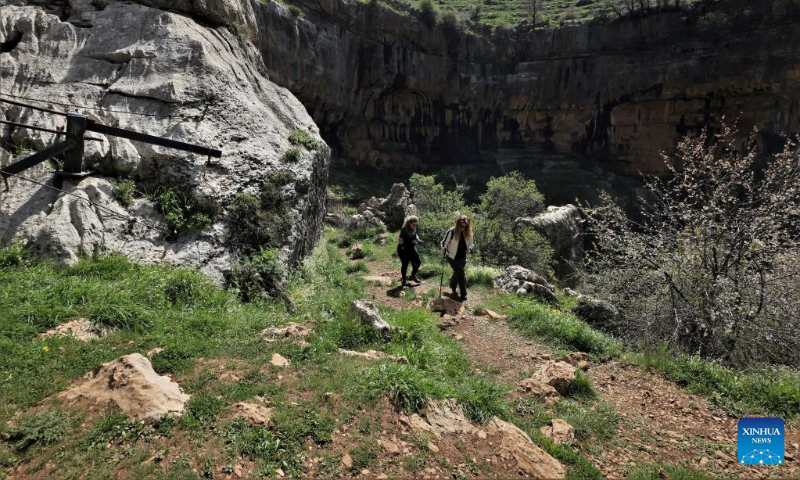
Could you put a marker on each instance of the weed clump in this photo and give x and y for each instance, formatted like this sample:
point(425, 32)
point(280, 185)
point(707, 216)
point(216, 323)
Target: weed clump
point(124, 190)
point(38, 429)
point(180, 210)
point(301, 138)
point(291, 156)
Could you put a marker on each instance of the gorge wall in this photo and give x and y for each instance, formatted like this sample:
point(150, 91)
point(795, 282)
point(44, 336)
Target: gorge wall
point(387, 91)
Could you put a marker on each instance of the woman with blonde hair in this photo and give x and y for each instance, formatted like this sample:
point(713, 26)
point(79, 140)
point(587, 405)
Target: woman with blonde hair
point(456, 244)
point(407, 249)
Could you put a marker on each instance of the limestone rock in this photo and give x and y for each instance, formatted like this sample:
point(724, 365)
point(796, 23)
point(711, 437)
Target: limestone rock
point(559, 431)
point(368, 314)
point(290, 330)
point(570, 292)
point(254, 413)
point(537, 389)
point(373, 355)
point(80, 329)
point(395, 205)
point(366, 220)
point(446, 417)
point(556, 374)
point(595, 312)
point(130, 384)
point(347, 460)
point(516, 446)
point(279, 360)
point(562, 227)
point(164, 74)
point(447, 306)
point(575, 358)
point(382, 239)
point(485, 312)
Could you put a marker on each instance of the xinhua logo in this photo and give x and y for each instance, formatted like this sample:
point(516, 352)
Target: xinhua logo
point(760, 441)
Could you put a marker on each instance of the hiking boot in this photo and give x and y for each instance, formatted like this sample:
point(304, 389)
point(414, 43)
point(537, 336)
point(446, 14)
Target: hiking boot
point(405, 283)
point(462, 298)
point(415, 279)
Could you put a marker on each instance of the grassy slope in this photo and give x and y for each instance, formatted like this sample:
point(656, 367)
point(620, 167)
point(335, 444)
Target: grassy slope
point(553, 13)
point(213, 348)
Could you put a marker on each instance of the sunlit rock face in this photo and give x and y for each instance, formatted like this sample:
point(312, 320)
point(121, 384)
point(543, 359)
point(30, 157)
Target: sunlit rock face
point(388, 91)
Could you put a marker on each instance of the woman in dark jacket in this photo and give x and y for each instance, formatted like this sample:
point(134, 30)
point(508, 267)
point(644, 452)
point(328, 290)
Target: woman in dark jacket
point(407, 249)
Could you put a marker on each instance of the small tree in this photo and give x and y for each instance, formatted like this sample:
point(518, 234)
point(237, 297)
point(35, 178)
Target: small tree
point(713, 267)
point(497, 238)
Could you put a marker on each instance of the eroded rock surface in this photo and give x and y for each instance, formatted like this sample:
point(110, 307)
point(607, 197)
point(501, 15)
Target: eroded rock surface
point(520, 280)
point(148, 70)
point(562, 227)
point(130, 384)
point(511, 445)
point(81, 329)
point(368, 314)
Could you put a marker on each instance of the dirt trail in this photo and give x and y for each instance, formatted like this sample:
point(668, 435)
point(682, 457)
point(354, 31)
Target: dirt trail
point(659, 421)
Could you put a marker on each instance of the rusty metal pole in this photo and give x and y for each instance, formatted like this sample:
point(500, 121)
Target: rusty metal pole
point(73, 158)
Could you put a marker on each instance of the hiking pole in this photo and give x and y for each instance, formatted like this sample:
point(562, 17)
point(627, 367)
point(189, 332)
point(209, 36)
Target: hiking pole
point(441, 280)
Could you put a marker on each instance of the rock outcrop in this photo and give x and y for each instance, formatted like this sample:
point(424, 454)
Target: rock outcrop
point(390, 92)
point(130, 384)
point(520, 280)
point(595, 312)
point(144, 69)
point(367, 313)
point(562, 227)
point(513, 447)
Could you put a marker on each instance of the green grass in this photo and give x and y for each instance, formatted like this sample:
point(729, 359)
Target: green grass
point(291, 156)
point(674, 472)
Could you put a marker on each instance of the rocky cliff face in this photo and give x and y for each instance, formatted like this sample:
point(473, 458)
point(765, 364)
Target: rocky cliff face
point(387, 90)
point(149, 70)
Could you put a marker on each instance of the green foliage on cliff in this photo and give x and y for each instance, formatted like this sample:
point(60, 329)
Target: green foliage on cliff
point(181, 211)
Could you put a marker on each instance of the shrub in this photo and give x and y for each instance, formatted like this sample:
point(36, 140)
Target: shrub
point(712, 267)
point(258, 222)
point(437, 208)
point(123, 191)
point(180, 210)
point(99, 5)
point(291, 156)
point(301, 138)
point(428, 13)
point(498, 239)
point(38, 429)
point(257, 274)
point(296, 11)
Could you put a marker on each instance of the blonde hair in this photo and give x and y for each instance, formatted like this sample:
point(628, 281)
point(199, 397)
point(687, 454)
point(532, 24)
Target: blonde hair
point(467, 230)
point(409, 219)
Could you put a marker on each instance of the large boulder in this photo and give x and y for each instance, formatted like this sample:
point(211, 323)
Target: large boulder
point(522, 281)
point(562, 227)
point(164, 74)
point(130, 384)
point(596, 312)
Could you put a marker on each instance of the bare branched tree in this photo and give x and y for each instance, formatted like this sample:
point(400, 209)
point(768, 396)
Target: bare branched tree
point(713, 268)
